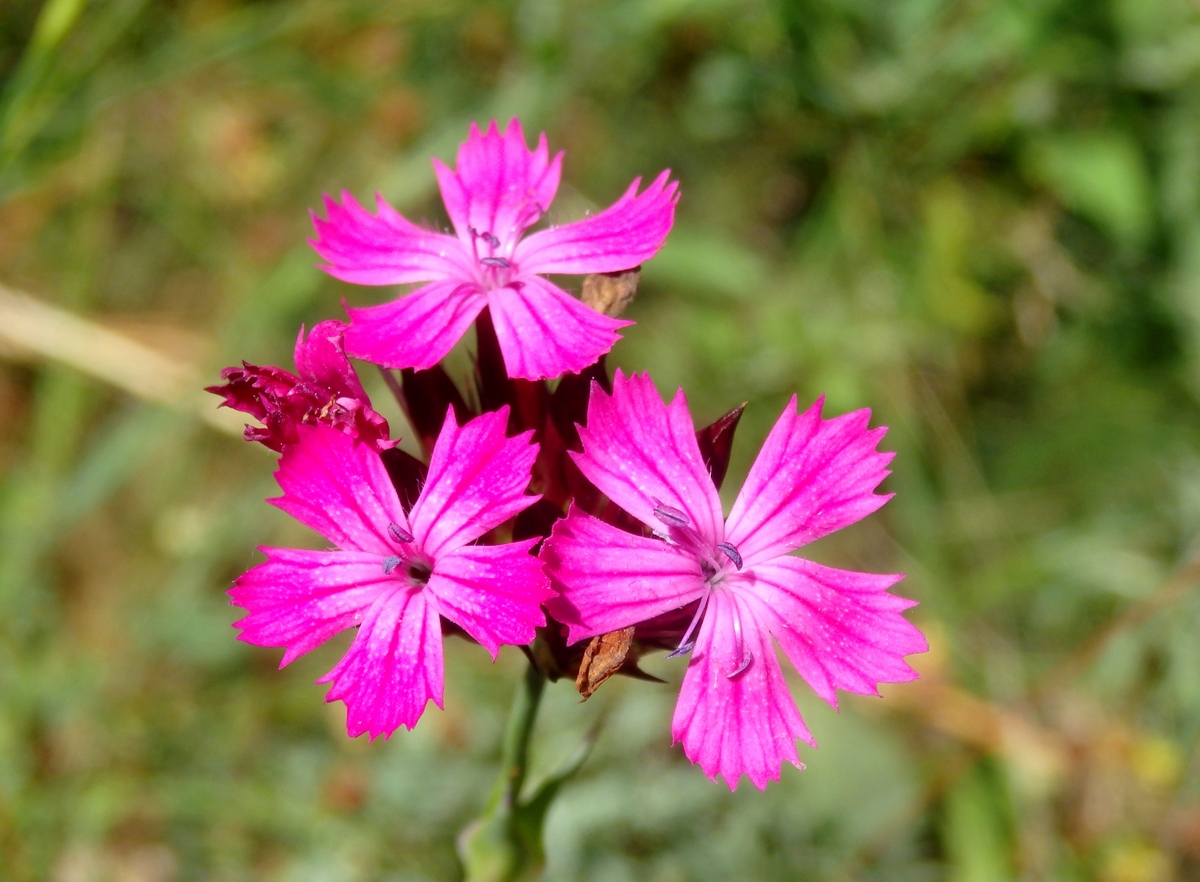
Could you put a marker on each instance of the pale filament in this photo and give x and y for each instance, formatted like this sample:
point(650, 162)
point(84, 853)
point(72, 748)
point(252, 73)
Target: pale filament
point(681, 533)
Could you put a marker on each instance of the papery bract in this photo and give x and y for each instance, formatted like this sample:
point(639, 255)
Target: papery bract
point(325, 390)
point(498, 190)
point(841, 630)
point(394, 574)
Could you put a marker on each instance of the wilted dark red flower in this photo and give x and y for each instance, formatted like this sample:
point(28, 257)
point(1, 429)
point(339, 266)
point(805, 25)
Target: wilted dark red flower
point(327, 390)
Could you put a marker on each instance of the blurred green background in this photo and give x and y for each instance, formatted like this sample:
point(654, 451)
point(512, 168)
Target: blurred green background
point(979, 218)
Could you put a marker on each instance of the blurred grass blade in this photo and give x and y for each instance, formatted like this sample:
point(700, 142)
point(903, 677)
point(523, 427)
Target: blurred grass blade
point(30, 327)
point(117, 452)
point(54, 22)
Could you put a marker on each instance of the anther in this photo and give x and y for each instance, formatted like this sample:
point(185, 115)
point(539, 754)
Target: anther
point(389, 564)
point(530, 215)
point(742, 667)
point(490, 239)
point(731, 552)
point(686, 644)
point(497, 262)
point(739, 645)
point(399, 534)
point(669, 515)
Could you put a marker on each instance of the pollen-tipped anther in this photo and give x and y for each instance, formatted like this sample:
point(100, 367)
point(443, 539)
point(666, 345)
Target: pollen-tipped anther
point(683, 649)
point(495, 262)
point(490, 239)
point(399, 534)
point(389, 564)
point(669, 515)
point(731, 552)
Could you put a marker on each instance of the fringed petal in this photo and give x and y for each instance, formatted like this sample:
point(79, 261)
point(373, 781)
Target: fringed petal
point(384, 248)
point(544, 332)
point(393, 667)
point(642, 453)
point(622, 236)
point(608, 579)
point(299, 599)
point(339, 488)
point(477, 480)
point(745, 724)
point(812, 476)
point(418, 329)
point(494, 592)
point(841, 629)
point(499, 186)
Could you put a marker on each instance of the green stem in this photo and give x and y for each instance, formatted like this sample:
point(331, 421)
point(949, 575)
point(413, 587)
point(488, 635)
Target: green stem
point(514, 761)
point(504, 844)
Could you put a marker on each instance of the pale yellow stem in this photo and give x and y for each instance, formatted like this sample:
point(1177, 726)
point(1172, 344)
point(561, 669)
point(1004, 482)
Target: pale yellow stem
point(33, 330)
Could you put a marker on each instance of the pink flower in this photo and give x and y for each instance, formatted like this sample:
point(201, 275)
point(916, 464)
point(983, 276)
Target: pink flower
point(498, 190)
point(394, 574)
point(842, 630)
point(326, 391)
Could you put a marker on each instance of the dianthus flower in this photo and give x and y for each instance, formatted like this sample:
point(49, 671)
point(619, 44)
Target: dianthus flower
point(841, 630)
point(327, 391)
point(498, 190)
point(393, 574)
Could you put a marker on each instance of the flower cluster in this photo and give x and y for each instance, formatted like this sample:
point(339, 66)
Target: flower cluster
point(583, 522)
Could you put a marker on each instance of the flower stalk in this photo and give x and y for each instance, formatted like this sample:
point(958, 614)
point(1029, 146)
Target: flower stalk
point(505, 843)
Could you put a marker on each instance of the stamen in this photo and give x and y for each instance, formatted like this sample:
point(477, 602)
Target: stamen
point(731, 552)
point(390, 563)
point(399, 534)
point(531, 214)
point(687, 643)
point(670, 515)
point(331, 410)
point(739, 644)
point(490, 239)
point(497, 262)
point(742, 667)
